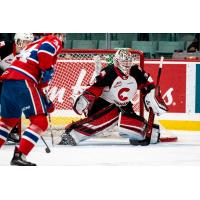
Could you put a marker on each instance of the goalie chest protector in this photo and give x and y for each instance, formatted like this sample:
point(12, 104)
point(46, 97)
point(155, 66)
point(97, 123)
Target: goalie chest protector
point(121, 91)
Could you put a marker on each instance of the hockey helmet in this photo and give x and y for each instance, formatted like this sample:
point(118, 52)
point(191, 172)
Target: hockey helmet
point(123, 59)
point(22, 38)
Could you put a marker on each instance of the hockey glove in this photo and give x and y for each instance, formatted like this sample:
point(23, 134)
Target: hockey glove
point(84, 103)
point(50, 106)
point(47, 75)
point(155, 102)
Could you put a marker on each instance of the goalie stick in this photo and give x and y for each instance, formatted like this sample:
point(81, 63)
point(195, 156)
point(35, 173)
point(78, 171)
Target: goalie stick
point(151, 113)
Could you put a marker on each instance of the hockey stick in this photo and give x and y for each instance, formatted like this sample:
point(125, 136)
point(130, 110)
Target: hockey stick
point(151, 113)
point(51, 130)
point(47, 147)
point(49, 118)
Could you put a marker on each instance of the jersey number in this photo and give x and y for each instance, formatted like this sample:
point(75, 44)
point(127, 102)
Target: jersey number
point(24, 54)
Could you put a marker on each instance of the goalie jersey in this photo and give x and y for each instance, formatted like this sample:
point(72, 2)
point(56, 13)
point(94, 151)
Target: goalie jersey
point(112, 86)
point(38, 56)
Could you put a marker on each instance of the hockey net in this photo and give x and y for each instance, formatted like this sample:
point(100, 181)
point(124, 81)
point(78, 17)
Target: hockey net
point(75, 69)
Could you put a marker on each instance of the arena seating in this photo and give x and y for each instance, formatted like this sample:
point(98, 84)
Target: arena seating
point(84, 44)
point(153, 44)
point(167, 48)
point(148, 47)
point(113, 44)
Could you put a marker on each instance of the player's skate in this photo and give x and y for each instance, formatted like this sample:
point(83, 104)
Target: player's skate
point(153, 140)
point(19, 159)
point(13, 138)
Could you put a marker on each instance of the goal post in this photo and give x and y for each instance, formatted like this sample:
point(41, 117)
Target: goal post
point(74, 70)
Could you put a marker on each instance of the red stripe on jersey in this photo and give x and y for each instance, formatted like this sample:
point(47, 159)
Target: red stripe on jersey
point(119, 73)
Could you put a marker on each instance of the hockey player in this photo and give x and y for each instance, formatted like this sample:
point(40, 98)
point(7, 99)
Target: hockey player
point(107, 103)
point(21, 92)
point(12, 47)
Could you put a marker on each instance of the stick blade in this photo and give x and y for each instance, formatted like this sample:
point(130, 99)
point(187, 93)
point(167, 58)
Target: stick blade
point(168, 139)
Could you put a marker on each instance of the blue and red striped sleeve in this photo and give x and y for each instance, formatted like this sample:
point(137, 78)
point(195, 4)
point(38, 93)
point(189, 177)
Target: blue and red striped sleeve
point(46, 55)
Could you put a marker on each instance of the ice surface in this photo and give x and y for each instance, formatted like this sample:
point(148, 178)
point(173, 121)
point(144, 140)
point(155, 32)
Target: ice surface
point(114, 152)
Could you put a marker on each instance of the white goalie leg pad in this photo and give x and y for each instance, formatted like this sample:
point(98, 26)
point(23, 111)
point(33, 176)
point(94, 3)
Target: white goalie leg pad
point(155, 136)
point(132, 128)
point(104, 132)
point(94, 125)
point(78, 137)
point(127, 133)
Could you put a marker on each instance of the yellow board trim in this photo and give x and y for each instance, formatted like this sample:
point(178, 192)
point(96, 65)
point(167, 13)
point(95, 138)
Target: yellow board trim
point(57, 121)
point(167, 124)
point(181, 125)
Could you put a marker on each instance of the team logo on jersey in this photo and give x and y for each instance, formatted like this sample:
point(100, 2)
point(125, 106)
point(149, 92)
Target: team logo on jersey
point(122, 94)
point(119, 83)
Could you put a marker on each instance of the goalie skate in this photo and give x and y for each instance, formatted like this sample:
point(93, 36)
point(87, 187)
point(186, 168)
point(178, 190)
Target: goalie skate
point(153, 140)
point(144, 142)
point(19, 159)
point(67, 139)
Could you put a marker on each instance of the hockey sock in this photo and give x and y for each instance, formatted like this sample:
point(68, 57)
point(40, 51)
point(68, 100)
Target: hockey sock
point(28, 141)
point(4, 132)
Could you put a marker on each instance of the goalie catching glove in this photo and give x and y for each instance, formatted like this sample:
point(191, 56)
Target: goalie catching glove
point(155, 102)
point(84, 103)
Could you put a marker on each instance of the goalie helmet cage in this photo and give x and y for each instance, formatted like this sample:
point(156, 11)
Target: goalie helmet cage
point(75, 68)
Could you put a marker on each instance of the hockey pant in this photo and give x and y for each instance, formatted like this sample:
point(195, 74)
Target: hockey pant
point(130, 126)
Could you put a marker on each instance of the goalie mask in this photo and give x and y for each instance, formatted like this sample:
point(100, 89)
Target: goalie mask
point(22, 39)
point(123, 60)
